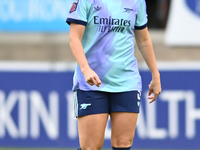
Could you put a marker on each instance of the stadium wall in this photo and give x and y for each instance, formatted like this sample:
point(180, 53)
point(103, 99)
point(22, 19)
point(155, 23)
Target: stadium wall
point(36, 107)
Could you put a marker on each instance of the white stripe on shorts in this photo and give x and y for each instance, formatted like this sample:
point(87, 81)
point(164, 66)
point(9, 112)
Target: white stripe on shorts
point(75, 104)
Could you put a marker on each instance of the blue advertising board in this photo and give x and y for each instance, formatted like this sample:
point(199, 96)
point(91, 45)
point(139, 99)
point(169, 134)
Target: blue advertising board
point(36, 110)
point(34, 15)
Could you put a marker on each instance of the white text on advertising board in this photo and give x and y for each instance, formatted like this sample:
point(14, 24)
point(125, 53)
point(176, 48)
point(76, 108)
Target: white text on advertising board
point(33, 10)
point(34, 111)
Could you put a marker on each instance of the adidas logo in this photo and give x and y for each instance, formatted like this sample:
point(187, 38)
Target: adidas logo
point(97, 8)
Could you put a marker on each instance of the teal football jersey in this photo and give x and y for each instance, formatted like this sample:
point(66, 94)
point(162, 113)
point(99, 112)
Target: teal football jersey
point(108, 42)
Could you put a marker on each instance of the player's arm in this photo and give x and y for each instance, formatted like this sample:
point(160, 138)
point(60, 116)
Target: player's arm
point(146, 48)
point(76, 34)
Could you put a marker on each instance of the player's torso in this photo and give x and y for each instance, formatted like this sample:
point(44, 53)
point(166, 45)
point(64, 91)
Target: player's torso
point(109, 46)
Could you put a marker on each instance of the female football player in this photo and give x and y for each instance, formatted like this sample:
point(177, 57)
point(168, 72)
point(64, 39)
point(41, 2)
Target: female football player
point(106, 79)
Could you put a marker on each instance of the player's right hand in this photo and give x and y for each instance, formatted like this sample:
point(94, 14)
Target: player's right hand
point(91, 77)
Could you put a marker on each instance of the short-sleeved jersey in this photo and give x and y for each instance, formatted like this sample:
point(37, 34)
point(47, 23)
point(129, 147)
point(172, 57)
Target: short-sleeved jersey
point(108, 42)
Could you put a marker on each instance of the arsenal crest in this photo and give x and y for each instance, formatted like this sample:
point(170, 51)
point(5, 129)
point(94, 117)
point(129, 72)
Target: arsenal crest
point(74, 6)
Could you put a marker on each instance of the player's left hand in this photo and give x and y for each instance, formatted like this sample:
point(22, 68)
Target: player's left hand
point(154, 89)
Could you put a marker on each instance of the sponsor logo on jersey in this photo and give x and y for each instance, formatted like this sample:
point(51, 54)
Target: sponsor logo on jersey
point(84, 106)
point(74, 6)
point(128, 10)
point(97, 8)
point(111, 24)
point(112, 21)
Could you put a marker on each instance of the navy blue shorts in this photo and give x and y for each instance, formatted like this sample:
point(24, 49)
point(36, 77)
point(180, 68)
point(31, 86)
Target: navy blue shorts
point(97, 102)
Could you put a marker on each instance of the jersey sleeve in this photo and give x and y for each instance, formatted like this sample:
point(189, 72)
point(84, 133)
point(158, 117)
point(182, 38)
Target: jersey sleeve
point(78, 13)
point(141, 18)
